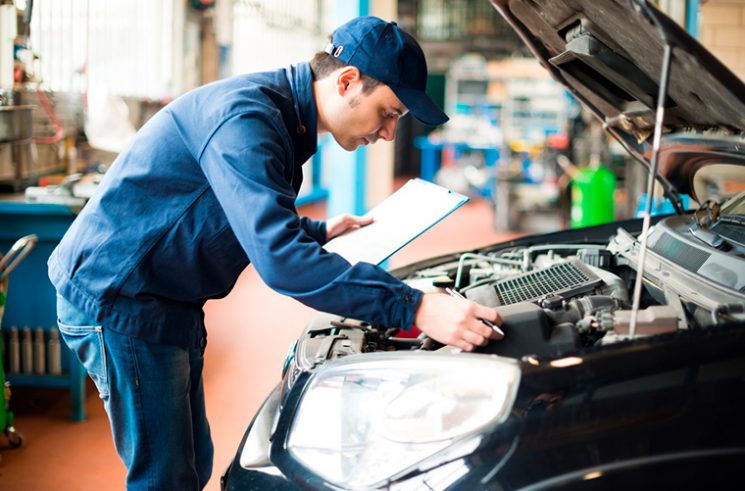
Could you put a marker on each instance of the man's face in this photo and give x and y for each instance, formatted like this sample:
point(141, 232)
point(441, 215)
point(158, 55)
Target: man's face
point(364, 117)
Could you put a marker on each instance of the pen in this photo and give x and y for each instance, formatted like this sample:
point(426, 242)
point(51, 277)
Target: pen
point(455, 293)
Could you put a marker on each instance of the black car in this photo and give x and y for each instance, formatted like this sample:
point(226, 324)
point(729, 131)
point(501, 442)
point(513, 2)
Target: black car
point(623, 364)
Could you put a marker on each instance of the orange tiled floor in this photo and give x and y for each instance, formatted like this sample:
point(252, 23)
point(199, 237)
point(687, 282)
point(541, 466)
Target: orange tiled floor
point(249, 334)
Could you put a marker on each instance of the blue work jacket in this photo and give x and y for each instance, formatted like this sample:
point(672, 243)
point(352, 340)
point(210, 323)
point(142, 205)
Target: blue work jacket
point(206, 186)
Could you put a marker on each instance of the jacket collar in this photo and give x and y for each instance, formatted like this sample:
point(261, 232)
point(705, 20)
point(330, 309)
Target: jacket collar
point(305, 133)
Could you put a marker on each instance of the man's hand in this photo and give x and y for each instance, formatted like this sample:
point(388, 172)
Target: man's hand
point(343, 223)
point(456, 321)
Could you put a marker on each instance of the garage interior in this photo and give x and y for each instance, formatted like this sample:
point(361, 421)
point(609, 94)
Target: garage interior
point(80, 77)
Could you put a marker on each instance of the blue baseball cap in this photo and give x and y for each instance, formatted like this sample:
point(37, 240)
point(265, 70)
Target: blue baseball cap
point(383, 51)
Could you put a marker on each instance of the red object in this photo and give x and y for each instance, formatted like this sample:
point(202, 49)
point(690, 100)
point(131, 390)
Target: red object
point(413, 332)
point(18, 73)
point(558, 141)
point(59, 129)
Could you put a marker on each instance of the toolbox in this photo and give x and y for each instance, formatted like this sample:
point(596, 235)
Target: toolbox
point(31, 305)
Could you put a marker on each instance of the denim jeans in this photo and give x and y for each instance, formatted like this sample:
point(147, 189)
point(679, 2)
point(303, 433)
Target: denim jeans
point(154, 397)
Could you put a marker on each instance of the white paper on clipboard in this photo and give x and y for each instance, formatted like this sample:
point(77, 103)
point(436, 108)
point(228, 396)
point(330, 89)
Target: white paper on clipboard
point(402, 217)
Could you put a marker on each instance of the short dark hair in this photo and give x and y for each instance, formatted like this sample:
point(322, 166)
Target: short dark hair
point(323, 64)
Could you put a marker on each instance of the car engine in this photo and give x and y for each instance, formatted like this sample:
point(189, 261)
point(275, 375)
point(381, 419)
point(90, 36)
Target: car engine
point(558, 298)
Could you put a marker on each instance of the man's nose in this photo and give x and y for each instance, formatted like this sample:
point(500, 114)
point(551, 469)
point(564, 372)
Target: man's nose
point(388, 131)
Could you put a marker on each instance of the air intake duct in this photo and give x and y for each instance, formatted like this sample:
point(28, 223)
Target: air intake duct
point(565, 280)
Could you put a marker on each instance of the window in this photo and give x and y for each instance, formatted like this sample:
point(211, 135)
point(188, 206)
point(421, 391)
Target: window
point(124, 47)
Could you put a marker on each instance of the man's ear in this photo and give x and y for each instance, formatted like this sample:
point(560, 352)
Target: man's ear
point(347, 78)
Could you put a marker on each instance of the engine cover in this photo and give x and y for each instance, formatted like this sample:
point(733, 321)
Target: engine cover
point(529, 331)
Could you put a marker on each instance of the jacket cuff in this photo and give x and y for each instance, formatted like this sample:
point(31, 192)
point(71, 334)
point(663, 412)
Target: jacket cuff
point(411, 299)
point(315, 228)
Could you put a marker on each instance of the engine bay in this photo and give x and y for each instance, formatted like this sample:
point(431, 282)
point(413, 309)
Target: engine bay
point(558, 298)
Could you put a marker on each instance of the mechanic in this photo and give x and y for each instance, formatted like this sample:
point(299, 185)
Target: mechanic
point(208, 184)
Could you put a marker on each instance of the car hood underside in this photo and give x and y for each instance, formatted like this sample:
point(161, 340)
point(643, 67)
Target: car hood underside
point(610, 54)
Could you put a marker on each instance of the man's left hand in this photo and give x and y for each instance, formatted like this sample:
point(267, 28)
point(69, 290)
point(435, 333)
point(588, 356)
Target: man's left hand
point(344, 223)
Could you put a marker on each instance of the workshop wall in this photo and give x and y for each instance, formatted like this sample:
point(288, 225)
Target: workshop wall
point(723, 32)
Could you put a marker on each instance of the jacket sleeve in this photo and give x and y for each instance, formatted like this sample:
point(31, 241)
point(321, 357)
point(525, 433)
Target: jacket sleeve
point(247, 165)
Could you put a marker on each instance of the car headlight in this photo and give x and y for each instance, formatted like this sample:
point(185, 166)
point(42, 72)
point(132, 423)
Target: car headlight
point(364, 419)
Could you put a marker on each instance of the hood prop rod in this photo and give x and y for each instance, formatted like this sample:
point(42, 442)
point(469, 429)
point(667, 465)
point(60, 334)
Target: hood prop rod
point(660, 117)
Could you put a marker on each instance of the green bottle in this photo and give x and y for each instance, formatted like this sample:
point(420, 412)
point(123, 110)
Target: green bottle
point(593, 188)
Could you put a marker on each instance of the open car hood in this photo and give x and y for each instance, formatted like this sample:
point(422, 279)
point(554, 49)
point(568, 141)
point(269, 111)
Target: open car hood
point(609, 55)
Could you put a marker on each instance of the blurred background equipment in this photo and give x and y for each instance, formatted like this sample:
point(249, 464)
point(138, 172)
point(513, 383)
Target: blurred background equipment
point(508, 121)
point(592, 192)
point(8, 263)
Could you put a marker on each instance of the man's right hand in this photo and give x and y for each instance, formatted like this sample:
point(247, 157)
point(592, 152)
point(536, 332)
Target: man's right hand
point(455, 321)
